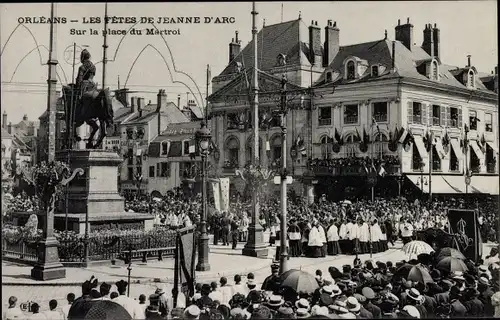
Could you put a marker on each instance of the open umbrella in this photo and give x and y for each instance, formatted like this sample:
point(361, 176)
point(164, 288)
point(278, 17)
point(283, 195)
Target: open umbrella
point(299, 280)
point(449, 252)
point(417, 273)
point(417, 247)
point(346, 202)
point(451, 264)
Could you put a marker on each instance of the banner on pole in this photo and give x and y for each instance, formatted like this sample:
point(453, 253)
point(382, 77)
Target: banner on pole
point(184, 273)
point(463, 225)
point(224, 189)
point(217, 196)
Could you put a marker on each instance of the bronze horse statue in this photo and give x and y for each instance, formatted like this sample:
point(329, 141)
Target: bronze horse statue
point(95, 109)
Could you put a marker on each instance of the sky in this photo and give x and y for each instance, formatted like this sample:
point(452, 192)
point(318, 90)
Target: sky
point(467, 27)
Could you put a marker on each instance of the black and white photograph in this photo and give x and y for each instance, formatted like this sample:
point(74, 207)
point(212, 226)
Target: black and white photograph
point(250, 160)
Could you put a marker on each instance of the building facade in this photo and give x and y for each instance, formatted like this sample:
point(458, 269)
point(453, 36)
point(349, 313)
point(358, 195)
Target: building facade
point(375, 112)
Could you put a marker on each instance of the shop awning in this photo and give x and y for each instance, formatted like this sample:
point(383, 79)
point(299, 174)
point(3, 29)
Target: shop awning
point(455, 144)
point(438, 184)
point(492, 146)
point(420, 147)
point(485, 184)
point(475, 147)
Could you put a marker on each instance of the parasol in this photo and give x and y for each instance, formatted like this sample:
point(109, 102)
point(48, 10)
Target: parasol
point(299, 280)
point(346, 202)
point(157, 199)
point(417, 273)
point(449, 252)
point(417, 247)
point(451, 264)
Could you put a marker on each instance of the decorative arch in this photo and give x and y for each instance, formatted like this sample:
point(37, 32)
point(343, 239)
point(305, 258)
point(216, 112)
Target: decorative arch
point(275, 148)
point(471, 78)
point(232, 142)
point(379, 146)
point(324, 145)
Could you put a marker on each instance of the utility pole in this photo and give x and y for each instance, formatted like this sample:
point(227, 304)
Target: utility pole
point(431, 149)
point(105, 46)
point(48, 265)
point(255, 246)
point(283, 220)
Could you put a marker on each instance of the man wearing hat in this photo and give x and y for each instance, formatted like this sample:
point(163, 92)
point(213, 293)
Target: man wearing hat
point(162, 301)
point(192, 312)
point(274, 303)
point(370, 296)
point(458, 310)
point(485, 294)
point(132, 306)
point(105, 289)
point(272, 282)
point(302, 313)
point(474, 306)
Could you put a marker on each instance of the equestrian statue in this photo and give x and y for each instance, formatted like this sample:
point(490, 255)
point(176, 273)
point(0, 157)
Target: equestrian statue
point(94, 106)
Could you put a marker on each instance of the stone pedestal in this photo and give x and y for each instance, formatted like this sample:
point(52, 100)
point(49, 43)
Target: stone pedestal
point(255, 246)
point(48, 267)
point(94, 195)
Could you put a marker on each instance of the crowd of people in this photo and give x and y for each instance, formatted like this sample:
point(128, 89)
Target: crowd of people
point(362, 290)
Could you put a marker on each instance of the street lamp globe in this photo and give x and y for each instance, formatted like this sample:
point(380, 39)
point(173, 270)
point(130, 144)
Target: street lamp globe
point(203, 136)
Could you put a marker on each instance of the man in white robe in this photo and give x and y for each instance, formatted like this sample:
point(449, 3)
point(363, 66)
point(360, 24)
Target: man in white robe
point(375, 237)
point(364, 237)
point(333, 238)
point(406, 231)
point(322, 236)
point(315, 243)
point(343, 238)
point(352, 233)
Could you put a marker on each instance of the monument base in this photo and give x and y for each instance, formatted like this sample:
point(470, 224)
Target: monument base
point(51, 268)
point(104, 221)
point(258, 252)
point(255, 247)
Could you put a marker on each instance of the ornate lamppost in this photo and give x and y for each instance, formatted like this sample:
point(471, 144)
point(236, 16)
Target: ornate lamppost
point(203, 138)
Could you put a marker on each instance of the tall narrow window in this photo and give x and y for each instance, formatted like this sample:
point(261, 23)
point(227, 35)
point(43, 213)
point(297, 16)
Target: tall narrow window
point(435, 73)
point(351, 70)
point(325, 116)
point(488, 122)
point(351, 114)
point(380, 111)
point(417, 112)
point(374, 71)
point(470, 79)
point(436, 115)
point(324, 147)
point(473, 120)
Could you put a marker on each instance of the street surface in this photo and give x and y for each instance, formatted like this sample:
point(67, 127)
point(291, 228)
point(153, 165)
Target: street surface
point(145, 278)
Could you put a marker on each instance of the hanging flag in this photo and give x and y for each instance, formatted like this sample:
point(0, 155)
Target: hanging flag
point(366, 137)
point(338, 137)
point(192, 148)
point(268, 146)
point(224, 193)
point(439, 148)
point(358, 137)
point(381, 171)
point(299, 143)
point(375, 123)
point(403, 135)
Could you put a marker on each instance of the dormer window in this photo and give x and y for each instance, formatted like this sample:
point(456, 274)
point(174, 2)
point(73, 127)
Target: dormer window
point(471, 79)
point(434, 71)
point(281, 59)
point(351, 70)
point(374, 71)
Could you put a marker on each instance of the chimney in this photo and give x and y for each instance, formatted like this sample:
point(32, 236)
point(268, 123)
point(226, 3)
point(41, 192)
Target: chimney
point(404, 33)
point(140, 105)
point(435, 38)
point(234, 47)
point(187, 109)
point(161, 102)
point(332, 43)
point(133, 104)
point(9, 128)
point(315, 44)
point(468, 60)
point(122, 96)
point(4, 119)
point(25, 117)
point(179, 101)
point(428, 43)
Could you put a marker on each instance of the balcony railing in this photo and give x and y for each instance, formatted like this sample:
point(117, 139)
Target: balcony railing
point(351, 119)
point(352, 166)
point(417, 119)
point(436, 121)
point(325, 122)
point(382, 117)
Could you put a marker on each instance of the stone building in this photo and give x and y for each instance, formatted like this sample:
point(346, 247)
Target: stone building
point(371, 110)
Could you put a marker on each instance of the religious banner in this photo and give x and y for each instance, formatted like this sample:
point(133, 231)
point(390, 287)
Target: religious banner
point(217, 196)
point(224, 189)
point(185, 251)
point(463, 226)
